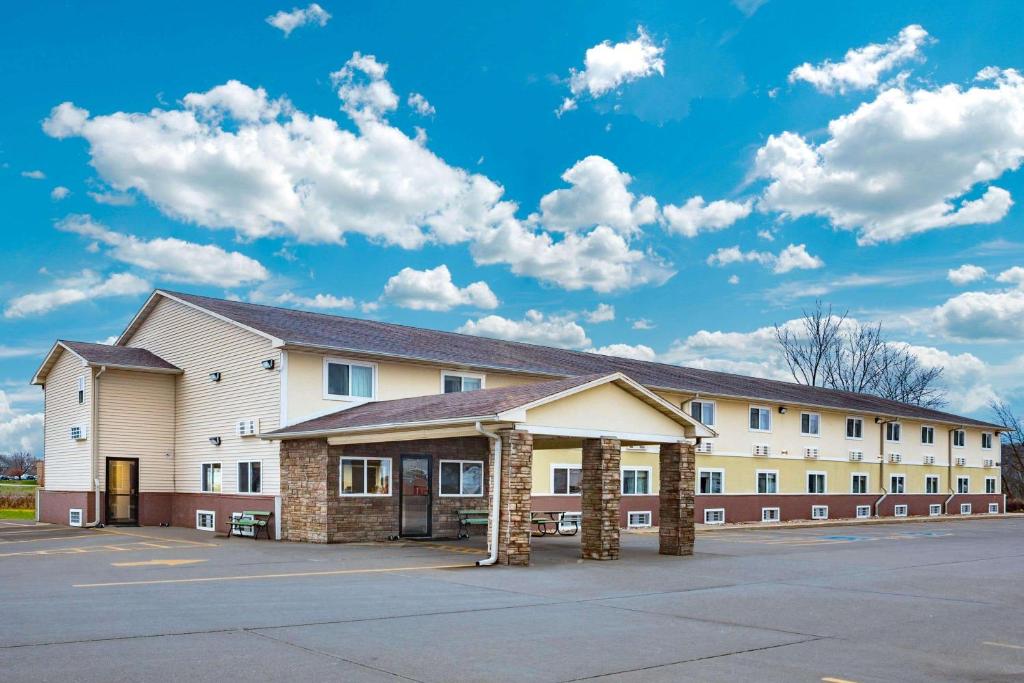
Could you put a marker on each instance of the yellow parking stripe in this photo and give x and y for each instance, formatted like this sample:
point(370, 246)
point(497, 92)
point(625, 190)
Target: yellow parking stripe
point(1009, 645)
point(155, 563)
point(829, 679)
point(120, 548)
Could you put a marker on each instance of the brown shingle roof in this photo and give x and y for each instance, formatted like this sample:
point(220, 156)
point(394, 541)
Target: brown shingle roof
point(302, 328)
point(125, 356)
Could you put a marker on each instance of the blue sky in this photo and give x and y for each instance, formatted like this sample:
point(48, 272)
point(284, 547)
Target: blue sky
point(718, 166)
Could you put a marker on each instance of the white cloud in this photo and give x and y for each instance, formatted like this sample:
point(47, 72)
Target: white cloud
point(643, 324)
point(84, 287)
point(982, 316)
point(766, 235)
point(607, 67)
point(19, 431)
point(905, 163)
point(420, 104)
point(965, 274)
point(748, 7)
point(433, 290)
point(863, 67)
point(968, 379)
point(602, 314)
point(748, 353)
point(535, 328)
point(58, 193)
point(289, 21)
point(172, 258)
point(793, 257)
point(696, 215)
point(636, 352)
point(317, 302)
point(599, 196)
point(34, 175)
point(1012, 276)
point(112, 198)
point(734, 279)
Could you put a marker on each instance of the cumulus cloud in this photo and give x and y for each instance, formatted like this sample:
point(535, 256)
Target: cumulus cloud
point(636, 352)
point(58, 193)
point(907, 162)
point(19, 430)
point(172, 258)
point(793, 257)
point(1012, 276)
point(288, 21)
point(602, 314)
point(643, 324)
point(112, 198)
point(863, 67)
point(84, 287)
point(982, 316)
point(34, 175)
point(606, 67)
point(965, 274)
point(420, 104)
point(318, 302)
point(433, 290)
point(535, 328)
point(749, 353)
point(697, 216)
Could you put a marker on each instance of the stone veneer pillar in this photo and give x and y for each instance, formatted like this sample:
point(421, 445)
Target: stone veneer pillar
point(602, 488)
point(304, 497)
point(675, 533)
point(516, 483)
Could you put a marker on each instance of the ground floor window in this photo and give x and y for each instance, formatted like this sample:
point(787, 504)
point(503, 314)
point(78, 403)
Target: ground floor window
point(714, 516)
point(636, 481)
point(993, 508)
point(934, 509)
point(965, 508)
point(963, 484)
point(206, 520)
point(770, 514)
point(365, 477)
point(712, 481)
point(210, 477)
point(990, 484)
point(897, 483)
point(768, 482)
point(565, 479)
point(639, 519)
point(462, 478)
point(819, 512)
point(863, 511)
point(858, 483)
point(931, 483)
point(249, 479)
point(900, 511)
point(815, 482)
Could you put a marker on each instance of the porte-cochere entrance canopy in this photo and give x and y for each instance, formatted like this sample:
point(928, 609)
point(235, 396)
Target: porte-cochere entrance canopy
point(500, 427)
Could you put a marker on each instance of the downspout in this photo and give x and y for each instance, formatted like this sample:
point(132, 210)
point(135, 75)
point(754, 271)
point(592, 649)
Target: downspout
point(949, 469)
point(881, 462)
point(495, 497)
point(94, 447)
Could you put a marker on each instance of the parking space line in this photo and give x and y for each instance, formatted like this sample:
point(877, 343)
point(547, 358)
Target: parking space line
point(830, 679)
point(1009, 645)
point(108, 548)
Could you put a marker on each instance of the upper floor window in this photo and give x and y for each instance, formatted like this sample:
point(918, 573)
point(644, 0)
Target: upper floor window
point(454, 383)
point(959, 438)
point(986, 440)
point(703, 411)
point(566, 479)
point(767, 481)
point(348, 379)
point(816, 482)
point(931, 483)
point(81, 390)
point(858, 483)
point(636, 481)
point(760, 419)
point(927, 435)
point(892, 431)
point(897, 483)
point(990, 484)
point(963, 484)
point(712, 481)
point(810, 424)
point(854, 428)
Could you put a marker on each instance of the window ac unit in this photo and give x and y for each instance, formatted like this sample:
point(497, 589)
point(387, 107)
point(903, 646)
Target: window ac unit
point(247, 427)
point(810, 452)
point(79, 433)
point(929, 460)
point(706, 447)
point(895, 457)
point(961, 462)
point(856, 456)
point(762, 449)
point(990, 463)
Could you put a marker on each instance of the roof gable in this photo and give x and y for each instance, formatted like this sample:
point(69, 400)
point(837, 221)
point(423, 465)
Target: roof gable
point(91, 354)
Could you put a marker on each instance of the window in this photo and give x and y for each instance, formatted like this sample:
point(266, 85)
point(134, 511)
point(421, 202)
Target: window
point(714, 516)
point(858, 483)
point(819, 512)
point(931, 483)
point(897, 483)
point(454, 383)
point(565, 480)
point(712, 481)
point(934, 510)
point(986, 440)
point(965, 508)
point(365, 477)
point(638, 520)
point(636, 481)
point(963, 484)
point(462, 478)
point(810, 424)
point(928, 435)
point(959, 438)
point(990, 484)
point(211, 477)
point(815, 482)
point(767, 481)
point(81, 390)
point(993, 508)
point(703, 411)
point(769, 514)
point(863, 511)
point(249, 479)
point(854, 428)
point(900, 511)
point(347, 380)
point(892, 431)
point(760, 419)
point(206, 520)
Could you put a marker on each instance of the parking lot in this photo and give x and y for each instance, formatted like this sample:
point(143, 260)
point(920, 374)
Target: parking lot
point(909, 602)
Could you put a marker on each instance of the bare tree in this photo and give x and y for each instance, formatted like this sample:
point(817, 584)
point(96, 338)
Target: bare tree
point(1012, 458)
point(17, 464)
point(807, 354)
point(854, 361)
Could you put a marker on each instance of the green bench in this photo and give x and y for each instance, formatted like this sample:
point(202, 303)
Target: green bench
point(251, 519)
point(468, 518)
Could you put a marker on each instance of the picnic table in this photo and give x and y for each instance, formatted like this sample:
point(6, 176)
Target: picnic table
point(551, 522)
point(250, 520)
point(471, 517)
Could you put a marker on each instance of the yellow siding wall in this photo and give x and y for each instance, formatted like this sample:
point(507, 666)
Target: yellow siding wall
point(67, 461)
point(136, 420)
point(544, 459)
point(200, 344)
point(606, 407)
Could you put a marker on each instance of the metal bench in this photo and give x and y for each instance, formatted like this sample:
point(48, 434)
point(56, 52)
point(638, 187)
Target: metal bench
point(251, 519)
point(468, 518)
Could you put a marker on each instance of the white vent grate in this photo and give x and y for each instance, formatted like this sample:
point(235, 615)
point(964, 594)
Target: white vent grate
point(961, 462)
point(762, 449)
point(929, 460)
point(856, 456)
point(639, 520)
point(75, 517)
point(811, 453)
point(895, 457)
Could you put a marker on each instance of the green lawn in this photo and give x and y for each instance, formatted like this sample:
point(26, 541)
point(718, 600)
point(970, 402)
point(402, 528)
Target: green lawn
point(18, 514)
point(19, 483)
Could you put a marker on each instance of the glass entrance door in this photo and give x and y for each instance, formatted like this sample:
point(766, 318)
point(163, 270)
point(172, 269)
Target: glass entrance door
point(416, 495)
point(122, 490)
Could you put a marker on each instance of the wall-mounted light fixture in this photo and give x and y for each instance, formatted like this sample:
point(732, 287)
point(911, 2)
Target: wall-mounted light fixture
point(215, 440)
point(782, 410)
point(214, 376)
point(878, 420)
point(268, 364)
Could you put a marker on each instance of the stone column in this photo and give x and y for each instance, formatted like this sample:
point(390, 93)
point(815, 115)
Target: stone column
point(675, 533)
point(304, 498)
point(602, 488)
point(514, 511)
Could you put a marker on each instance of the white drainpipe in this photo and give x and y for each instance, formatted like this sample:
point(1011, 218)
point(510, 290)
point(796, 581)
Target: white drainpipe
point(495, 497)
point(94, 447)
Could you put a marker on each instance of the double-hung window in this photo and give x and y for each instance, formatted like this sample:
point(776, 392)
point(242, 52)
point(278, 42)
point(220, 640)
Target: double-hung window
point(712, 481)
point(462, 478)
point(858, 483)
point(931, 483)
point(959, 438)
point(636, 481)
point(704, 411)
point(760, 419)
point(210, 477)
point(963, 484)
point(767, 481)
point(816, 482)
point(986, 440)
point(456, 382)
point(927, 435)
point(897, 483)
point(854, 428)
point(565, 480)
point(892, 431)
point(365, 477)
point(249, 479)
point(810, 424)
point(348, 380)
point(990, 484)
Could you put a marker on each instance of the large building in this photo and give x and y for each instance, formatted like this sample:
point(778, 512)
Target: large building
point(353, 429)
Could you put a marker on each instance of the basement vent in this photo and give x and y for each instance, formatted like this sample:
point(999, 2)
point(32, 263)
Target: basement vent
point(965, 508)
point(863, 511)
point(900, 511)
point(714, 516)
point(819, 512)
point(895, 457)
point(993, 508)
point(929, 460)
point(75, 517)
point(639, 520)
point(762, 449)
point(769, 514)
point(811, 453)
point(206, 520)
point(961, 462)
point(856, 456)
point(935, 509)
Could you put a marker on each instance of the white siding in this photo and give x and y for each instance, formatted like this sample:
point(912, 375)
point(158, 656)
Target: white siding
point(199, 344)
point(67, 460)
point(136, 420)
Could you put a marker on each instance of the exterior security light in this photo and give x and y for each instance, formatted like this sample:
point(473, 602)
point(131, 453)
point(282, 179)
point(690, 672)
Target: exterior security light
point(215, 440)
point(214, 376)
point(878, 420)
point(782, 410)
point(268, 364)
